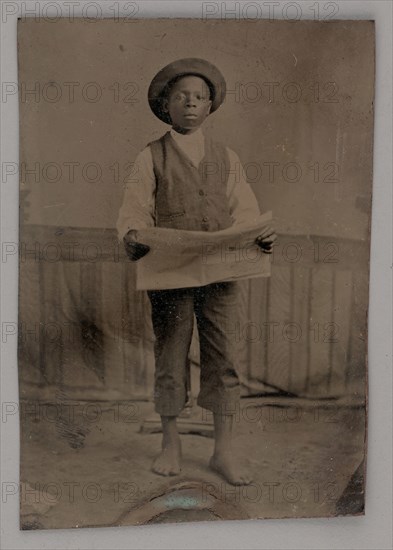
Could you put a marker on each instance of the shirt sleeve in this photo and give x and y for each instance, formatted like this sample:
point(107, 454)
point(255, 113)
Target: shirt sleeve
point(243, 203)
point(137, 209)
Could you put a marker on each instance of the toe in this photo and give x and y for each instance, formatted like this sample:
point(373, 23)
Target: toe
point(159, 469)
point(246, 479)
point(175, 470)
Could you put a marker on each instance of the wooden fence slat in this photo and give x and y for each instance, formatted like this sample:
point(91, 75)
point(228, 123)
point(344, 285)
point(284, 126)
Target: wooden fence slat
point(75, 371)
point(256, 332)
point(279, 316)
point(321, 302)
point(301, 331)
point(356, 369)
point(112, 298)
point(339, 334)
point(238, 328)
point(29, 328)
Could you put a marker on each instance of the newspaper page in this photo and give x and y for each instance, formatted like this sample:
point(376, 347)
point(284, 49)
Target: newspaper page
point(181, 259)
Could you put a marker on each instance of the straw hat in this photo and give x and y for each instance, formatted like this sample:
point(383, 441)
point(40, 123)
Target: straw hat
point(184, 67)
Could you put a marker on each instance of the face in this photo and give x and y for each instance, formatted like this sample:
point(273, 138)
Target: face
point(188, 103)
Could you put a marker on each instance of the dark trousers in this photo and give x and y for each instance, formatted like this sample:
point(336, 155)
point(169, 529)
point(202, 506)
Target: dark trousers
point(215, 309)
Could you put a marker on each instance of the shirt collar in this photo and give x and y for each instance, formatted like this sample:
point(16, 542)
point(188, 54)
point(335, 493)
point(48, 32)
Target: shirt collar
point(196, 138)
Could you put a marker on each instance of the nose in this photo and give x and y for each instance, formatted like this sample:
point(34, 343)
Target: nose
point(190, 101)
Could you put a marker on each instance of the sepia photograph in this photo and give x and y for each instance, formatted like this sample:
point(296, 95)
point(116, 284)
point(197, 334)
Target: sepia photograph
point(194, 250)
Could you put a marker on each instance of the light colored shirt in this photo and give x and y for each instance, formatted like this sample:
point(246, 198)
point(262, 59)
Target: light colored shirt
point(137, 210)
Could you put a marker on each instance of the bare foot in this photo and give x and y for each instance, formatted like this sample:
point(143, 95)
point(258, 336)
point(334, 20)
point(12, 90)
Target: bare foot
point(225, 465)
point(168, 461)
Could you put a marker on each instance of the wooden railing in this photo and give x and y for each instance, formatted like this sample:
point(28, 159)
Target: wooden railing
point(83, 328)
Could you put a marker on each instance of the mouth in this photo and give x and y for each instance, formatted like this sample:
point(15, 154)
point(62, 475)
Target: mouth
point(190, 115)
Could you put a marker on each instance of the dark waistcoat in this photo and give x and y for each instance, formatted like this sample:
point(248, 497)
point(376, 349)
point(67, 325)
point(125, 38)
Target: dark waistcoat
point(187, 197)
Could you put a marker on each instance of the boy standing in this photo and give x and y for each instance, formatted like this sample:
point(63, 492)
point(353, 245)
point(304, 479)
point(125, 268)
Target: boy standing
point(177, 189)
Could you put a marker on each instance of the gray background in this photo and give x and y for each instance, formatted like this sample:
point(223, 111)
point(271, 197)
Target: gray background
point(335, 129)
point(368, 532)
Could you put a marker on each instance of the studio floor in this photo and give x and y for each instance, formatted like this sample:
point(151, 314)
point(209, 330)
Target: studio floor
point(89, 464)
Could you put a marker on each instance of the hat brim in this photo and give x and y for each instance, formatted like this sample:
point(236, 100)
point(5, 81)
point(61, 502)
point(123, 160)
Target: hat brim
point(183, 67)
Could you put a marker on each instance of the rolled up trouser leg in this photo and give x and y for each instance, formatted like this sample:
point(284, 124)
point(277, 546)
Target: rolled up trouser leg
point(173, 321)
point(216, 308)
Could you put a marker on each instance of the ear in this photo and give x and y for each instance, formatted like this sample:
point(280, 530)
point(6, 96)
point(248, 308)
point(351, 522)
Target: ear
point(165, 105)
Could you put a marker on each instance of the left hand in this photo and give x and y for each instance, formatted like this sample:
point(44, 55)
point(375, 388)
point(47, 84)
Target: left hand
point(266, 240)
point(135, 250)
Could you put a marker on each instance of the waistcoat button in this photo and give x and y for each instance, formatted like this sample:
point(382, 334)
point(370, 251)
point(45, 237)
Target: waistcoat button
point(201, 192)
point(205, 219)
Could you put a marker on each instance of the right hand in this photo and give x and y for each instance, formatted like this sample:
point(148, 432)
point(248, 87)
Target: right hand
point(135, 251)
point(266, 240)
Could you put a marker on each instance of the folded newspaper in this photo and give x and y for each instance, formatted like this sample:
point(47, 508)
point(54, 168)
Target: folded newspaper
point(182, 259)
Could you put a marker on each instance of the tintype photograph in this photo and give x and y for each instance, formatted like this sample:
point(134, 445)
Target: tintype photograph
point(195, 202)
